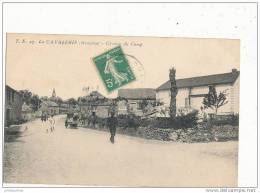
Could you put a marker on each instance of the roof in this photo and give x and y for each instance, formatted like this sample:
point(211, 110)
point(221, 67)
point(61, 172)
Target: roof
point(10, 88)
point(50, 103)
point(93, 95)
point(64, 105)
point(97, 103)
point(95, 98)
point(137, 93)
point(215, 79)
point(96, 94)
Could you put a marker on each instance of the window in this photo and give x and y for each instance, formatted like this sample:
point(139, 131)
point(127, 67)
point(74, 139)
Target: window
point(13, 93)
point(187, 102)
point(122, 106)
point(139, 106)
point(8, 95)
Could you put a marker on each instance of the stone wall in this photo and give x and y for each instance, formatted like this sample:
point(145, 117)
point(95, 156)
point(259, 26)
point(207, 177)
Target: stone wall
point(190, 135)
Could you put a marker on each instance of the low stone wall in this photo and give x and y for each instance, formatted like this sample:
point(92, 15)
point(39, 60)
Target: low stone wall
point(190, 135)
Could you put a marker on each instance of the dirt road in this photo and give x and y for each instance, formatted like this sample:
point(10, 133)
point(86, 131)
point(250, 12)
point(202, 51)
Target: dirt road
point(86, 157)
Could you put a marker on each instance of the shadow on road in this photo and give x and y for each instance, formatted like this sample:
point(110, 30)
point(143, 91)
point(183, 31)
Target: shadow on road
point(13, 134)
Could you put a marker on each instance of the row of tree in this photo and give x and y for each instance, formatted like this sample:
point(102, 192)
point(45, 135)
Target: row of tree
point(34, 101)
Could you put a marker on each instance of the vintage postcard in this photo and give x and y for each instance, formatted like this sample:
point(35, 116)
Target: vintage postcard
point(121, 111)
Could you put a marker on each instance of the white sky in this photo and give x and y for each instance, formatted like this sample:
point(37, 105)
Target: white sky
point(40, 67)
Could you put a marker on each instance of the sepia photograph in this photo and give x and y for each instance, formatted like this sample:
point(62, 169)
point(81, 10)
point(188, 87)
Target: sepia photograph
point(121, 111)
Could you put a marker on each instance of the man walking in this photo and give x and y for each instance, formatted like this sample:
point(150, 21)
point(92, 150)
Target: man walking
point(112, 123)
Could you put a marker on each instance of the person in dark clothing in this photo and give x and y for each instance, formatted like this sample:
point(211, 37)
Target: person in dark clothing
point(94, 119)
point(42, 118)
point(112, 123)
point(66, 122)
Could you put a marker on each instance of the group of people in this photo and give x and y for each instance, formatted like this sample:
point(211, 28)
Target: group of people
point(44, 116)
point(91, 121)
point(50, 120)
point(72, 120)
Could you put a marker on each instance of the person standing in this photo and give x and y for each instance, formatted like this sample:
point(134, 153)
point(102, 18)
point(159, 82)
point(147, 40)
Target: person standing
point(52, 123)
point(66, 122)
point(94, 119)
point(42, 117)
point(112, 124)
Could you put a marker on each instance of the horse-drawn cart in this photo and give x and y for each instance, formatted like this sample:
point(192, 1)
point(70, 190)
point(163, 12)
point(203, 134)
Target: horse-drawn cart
point(72, 120)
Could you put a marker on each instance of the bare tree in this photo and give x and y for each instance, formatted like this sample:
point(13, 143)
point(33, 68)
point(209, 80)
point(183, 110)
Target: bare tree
point(214, 100)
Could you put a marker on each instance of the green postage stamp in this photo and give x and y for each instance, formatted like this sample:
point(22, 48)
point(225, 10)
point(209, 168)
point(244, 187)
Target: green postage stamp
point(114, 68)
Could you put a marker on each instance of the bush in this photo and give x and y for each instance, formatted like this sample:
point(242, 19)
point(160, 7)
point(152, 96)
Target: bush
point(132, 121)
point(182, 121)
point(102, 122)
point(186, 121)
point(129, 120)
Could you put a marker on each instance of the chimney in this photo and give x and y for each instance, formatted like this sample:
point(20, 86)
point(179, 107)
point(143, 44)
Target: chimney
point(234, 70)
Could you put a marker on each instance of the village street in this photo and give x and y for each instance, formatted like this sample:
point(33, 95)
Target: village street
point(86, 157)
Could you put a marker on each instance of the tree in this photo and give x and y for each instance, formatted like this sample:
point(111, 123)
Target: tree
point(35, 102)
point(58, 100)
point(44, 98)
point(113, 107)
point(214, 100)
point(72, 101)
point(143, 105)
point(30, 99)
point(129, 109)
point(174, 92)
point(26, 96)
point(83, 100)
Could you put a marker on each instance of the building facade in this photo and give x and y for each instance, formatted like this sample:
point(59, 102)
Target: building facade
point(191, 91)
point(13, 105)
point(95, 103)
point(49, 107)
point(135, 100)
point(63, 108)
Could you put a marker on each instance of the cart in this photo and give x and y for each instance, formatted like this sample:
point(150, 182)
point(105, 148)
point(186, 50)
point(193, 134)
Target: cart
point(72, 120)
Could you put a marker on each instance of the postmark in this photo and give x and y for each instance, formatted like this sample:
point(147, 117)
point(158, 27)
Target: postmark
point(114, 68)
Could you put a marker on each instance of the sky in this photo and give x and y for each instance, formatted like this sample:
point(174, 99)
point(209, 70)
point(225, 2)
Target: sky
point(42, 63)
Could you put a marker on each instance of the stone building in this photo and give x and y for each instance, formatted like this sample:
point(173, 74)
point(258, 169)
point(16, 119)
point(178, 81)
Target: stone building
point(13, 105)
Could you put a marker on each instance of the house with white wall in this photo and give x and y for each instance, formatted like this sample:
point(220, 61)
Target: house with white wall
point(191, 91)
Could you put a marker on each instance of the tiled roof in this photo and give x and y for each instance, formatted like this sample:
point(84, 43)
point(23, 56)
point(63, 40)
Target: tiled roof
point(138, 93)
point(216, 79)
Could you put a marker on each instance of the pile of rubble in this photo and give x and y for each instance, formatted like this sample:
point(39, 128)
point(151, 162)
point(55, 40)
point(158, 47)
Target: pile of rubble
point(155, 133)
point(190, 135)
point(225, 132)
